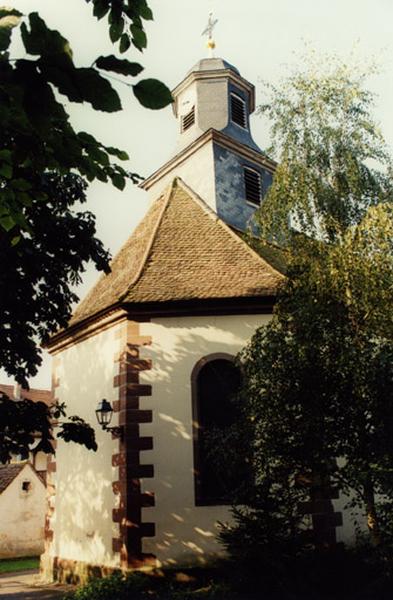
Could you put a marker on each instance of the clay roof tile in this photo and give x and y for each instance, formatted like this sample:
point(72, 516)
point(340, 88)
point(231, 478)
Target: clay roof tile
point(180, 251)
point(8, 474)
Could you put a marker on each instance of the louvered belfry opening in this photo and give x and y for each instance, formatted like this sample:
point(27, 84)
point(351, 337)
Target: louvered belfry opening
point(252, 183)
point(238, 111)
point(188, 120)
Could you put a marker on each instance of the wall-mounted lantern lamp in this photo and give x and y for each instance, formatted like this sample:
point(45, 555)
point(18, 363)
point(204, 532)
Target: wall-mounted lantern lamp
point(104, 412)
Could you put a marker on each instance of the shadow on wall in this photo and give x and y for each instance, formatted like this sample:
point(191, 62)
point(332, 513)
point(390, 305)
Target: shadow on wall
point(84, 496)
point(186, 534)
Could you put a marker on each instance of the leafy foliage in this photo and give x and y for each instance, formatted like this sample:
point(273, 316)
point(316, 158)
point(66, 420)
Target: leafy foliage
point(333, 162)
point(125, 21)
point(44, 169)
point(157, 586)
point(45, 166)
point(40, 266)
point(24, 422)
point(38, 120)
point(318, 387)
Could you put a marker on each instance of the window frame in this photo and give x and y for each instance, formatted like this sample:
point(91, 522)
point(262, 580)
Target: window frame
point(199, 500)
point(191, 112)
point(26, 487)
point(252, 170)
point(244, 103)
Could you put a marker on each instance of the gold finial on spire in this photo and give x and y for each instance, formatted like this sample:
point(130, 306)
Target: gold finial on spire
point(211, 44)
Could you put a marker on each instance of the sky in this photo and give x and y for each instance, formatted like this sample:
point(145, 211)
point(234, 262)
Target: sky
point(262, 39)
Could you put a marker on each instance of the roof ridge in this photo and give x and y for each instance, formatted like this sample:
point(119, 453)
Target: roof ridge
point(222, 223)
point(150, 240)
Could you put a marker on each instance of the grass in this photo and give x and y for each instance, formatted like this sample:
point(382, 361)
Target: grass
point(10, 565)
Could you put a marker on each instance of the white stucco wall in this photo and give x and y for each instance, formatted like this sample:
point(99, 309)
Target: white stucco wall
point(22, 516)
point(185, 533)
point(354, 520)
point(197, 171)
point(41, 461)
point(82, 521)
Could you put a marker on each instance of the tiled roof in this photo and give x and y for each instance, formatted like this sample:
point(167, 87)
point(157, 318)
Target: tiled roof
point(8, 474)
point(8, 390)
point(181, 251)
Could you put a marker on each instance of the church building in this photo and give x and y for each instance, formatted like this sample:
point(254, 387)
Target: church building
point(156, 339)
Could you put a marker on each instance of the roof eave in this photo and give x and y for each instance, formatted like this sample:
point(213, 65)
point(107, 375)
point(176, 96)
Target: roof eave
point(208, 136)
point(113, 315)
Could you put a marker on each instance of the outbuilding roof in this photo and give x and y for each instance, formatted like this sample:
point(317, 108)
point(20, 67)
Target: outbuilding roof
point(8, 474)
point(180, 251)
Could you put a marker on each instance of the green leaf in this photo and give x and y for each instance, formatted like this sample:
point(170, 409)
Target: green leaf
point(60, 71)
point(42, 40)
point(9, 18)
point(152, 93)
point(5, 39)
point(98, 155)
point(24, 199)
point(101, 175)
point(118, 181)
point(121, 154)
point(97, 90)
point(9, 12)
point(87, 138)
point(15, 240)
point(124, 67)
point(21, 184)
point(7, 222)
point(139, 38)
point(6, 170)
point(146, 12)
point(116, 29)
point(101, 7)
point(125, 43)
point(6, 155)
point(19, 219)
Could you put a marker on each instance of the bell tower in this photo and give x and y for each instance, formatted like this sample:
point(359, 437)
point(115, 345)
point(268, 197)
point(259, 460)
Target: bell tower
point(215, 153)
point(213, 95)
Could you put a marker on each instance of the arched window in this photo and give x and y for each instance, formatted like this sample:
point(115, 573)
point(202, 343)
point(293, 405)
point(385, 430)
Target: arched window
point(215, 380)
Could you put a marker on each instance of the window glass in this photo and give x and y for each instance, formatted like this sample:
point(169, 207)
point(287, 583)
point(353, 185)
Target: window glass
point(216, 384)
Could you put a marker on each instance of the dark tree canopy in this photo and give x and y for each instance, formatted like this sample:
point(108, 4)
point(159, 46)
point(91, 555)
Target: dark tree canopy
point(45, 167)
point(317, 398)
point(41, 268)
point(27, 426)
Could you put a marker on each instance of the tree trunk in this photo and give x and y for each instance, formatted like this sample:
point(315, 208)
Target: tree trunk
point(371, 512)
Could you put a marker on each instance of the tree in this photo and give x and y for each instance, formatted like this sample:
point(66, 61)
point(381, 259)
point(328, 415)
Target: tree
point(318, 380)
point(45, 166)
point(333, 163)
point(39, 145)
point(27, 426)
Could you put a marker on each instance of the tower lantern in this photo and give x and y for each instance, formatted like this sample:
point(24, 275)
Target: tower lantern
point(215, 153)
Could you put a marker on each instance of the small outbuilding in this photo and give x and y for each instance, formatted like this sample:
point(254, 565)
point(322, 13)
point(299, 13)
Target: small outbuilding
point(22, 511)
